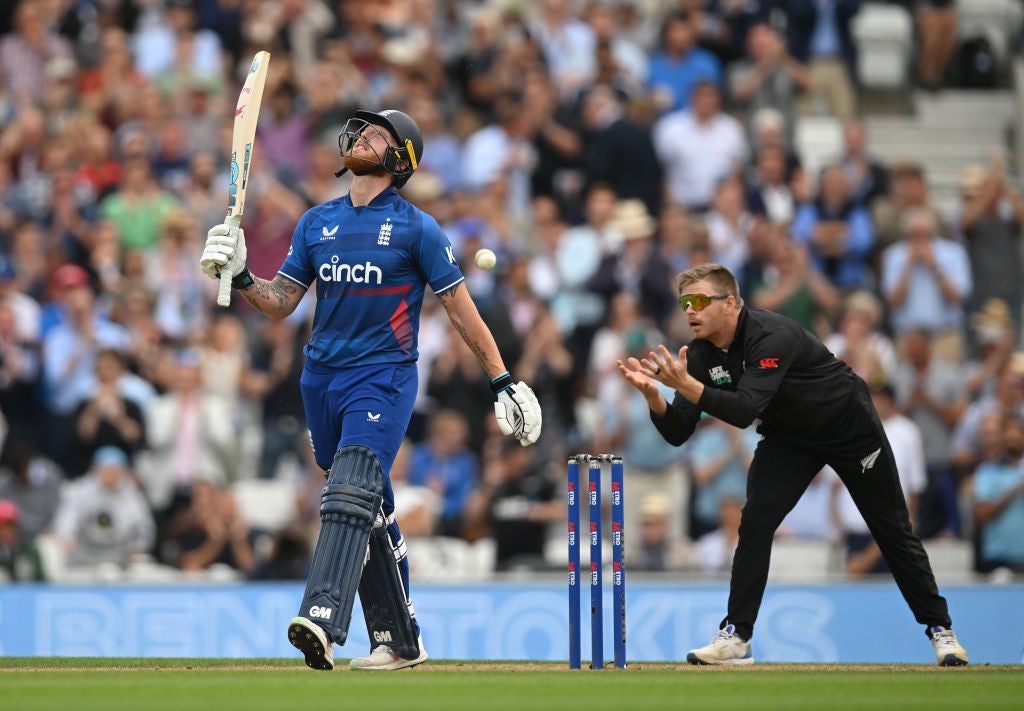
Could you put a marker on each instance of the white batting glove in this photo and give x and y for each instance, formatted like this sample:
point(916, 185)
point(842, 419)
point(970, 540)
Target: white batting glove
point(225, 250)
point(517, 410)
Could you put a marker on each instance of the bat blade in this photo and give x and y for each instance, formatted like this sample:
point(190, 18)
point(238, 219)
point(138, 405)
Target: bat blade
point(243, 138)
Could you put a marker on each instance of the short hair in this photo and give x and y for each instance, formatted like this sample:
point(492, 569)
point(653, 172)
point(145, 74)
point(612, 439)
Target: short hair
point(717, 274)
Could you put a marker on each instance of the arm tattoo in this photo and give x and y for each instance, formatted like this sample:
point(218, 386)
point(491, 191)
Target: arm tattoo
point(447, 298)
point(473, 344)
point(271, 296)
point(448, 295)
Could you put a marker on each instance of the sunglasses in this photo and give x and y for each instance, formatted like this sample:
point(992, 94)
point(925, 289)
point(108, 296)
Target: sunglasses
point(699, 302)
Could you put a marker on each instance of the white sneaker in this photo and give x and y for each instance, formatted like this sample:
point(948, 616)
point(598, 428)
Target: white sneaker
point(948, 652)
point(725, 648)
point(383, 658)
point(310, 639)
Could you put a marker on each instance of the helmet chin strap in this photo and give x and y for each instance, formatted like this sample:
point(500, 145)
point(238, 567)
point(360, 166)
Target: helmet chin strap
point(341, 172)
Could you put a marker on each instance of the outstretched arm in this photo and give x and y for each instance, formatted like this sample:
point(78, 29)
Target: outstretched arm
point(517, 410)
point(463, 314)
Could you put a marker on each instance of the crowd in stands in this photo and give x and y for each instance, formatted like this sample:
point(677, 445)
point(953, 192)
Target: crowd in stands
point(599, 148)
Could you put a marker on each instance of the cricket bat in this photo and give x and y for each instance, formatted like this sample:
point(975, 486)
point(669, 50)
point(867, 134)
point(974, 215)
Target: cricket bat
point(247, 111)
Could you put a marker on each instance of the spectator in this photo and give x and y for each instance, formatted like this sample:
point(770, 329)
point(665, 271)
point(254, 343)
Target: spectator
point(867, 177)
point(991, 221)
point(622, 62)
point(211, 531)
point(937, 25)
point(717, 458)
point(69, 352)
point(19, 379)
point(678, 65)
point(519, 503)
point(699, 147)
point(994, 337)
point(729, 224)
point(908, 189)
point(444, 463)
point(25, 52)
point(190, 435)
point(657, 546)
point(159, 46)
point(1006, 400)
point(502, 151)
point(567, 43)
point(272, 380)
point(863, 556)
point(860, 341)
point(419, 506)
point(820, 35)
point(931, 392)
point(577, 257)
point(19, 558)
point(837, 232)
point(139, 206)
point(768, 77)
point(33, 484)
point(925, 282)
point(998, 496)
point(714, 550)
point(768, 190)
point(619, 151)
point(636, 266)
point(794, 287)
point(106, 416)
point(103, 518)
point(179, 309)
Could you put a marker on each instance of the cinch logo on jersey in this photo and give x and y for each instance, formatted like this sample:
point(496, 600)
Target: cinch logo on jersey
point(384, 636)
point(769, 363)
point(719, 375)
point(351, 273)
point(323, 613)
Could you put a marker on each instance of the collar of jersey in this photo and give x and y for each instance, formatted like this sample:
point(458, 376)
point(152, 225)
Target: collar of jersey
point(385, 196)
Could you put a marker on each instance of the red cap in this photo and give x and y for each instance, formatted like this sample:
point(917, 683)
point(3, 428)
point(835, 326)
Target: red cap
point(68, 276)
point(8, 511)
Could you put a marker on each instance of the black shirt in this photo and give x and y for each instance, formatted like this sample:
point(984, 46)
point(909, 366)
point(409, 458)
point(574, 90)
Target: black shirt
point(774, 370)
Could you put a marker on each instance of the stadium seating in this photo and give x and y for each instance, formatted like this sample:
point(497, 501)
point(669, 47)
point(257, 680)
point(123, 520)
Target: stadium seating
point(885, 39)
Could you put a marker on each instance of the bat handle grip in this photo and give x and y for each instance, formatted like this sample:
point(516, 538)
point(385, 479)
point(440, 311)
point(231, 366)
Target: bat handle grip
point(224, 288)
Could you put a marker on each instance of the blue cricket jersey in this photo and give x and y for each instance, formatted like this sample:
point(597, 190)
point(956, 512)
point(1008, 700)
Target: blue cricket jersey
point(371, 266)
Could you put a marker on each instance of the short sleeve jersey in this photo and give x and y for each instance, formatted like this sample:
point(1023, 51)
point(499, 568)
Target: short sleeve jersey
point(371, 266)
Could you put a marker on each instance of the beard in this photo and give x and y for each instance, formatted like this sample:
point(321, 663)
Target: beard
point(362, 166)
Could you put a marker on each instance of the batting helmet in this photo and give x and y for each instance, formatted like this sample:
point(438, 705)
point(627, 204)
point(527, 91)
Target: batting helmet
point(409, 150)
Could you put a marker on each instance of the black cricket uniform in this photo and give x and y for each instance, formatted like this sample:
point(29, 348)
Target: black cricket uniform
point(814, 410)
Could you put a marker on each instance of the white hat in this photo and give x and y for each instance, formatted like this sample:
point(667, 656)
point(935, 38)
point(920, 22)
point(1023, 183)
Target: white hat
point(632, 220)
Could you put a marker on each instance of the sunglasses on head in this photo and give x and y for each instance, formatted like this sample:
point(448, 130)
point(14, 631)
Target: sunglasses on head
point(699, 302)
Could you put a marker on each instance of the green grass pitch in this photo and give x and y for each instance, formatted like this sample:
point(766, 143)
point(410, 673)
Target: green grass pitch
point(38, 683)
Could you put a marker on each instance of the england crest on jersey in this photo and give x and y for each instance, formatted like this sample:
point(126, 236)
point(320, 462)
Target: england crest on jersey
point(384, 236)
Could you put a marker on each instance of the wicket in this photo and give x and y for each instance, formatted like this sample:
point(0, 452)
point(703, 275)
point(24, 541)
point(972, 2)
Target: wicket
point(594, 463)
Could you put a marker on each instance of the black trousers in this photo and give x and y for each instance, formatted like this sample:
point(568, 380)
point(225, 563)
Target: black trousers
point(782, 468)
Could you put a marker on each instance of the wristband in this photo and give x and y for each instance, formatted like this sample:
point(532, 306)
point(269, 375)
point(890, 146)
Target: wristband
point(501, 382)
point(243, 279)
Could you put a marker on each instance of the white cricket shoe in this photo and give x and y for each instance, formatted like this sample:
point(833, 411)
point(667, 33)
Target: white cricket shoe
point(310, 639)
point(948, 652)
point(383, 658)
point(726, 648)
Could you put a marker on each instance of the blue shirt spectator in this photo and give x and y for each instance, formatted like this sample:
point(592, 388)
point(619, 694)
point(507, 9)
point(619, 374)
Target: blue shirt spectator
point(679, 65)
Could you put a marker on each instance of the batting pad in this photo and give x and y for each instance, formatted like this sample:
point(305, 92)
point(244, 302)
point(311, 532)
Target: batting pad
point(388, 613)
point(348, 507)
